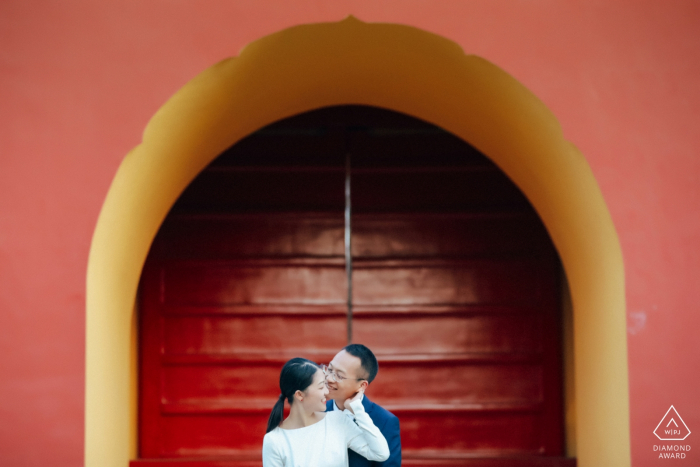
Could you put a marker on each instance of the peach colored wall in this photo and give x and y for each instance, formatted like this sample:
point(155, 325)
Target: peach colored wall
point(79, 80)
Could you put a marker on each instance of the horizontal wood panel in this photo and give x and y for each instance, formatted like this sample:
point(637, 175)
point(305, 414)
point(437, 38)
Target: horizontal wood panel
point(217, 191)
point(244, 460)
point(198, 435)
point(196, 462)
point(263, 357)
point(252, 235)
point(459, 384)
point(471, 432)
point(397, 385)
point(445, 459)
point(386, 147)
point(211, 335)
point(514, 281)
point(428, 335)
point(448, 191)
point(235, 407)
point(209, 383)
point(480, 333)
point(396, 311)
point(409, 459)
point(474, 282)
point(261, 190)
point(386, 235)
point(222, 284)
point(445, 235)
point(266, 357)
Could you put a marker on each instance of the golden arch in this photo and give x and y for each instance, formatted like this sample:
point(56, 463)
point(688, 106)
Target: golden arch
point(384, 65)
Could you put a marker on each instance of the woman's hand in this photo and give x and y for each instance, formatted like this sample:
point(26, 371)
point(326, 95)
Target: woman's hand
point(354, 398)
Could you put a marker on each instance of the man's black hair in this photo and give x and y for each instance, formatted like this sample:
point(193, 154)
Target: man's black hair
point(368, 361)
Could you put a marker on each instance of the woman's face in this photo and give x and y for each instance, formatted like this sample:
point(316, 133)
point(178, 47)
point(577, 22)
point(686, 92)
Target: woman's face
point(315, 394)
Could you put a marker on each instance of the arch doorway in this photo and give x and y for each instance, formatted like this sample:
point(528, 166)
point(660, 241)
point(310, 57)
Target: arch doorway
point(389, 66)
point(456, 289)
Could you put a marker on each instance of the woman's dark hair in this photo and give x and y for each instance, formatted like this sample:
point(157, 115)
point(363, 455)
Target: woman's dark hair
point(296, 375)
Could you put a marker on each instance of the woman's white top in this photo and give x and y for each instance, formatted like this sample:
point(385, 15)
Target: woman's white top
point(326, 443)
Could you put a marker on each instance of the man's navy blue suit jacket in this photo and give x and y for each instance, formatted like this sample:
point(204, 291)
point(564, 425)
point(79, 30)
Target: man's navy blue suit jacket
point(388, 424)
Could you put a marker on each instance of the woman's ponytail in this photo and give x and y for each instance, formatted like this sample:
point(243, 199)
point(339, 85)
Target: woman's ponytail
point(296, 375)
point(276, 414)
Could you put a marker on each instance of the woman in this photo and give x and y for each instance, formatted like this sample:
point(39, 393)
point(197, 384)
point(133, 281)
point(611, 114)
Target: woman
point(310, 436)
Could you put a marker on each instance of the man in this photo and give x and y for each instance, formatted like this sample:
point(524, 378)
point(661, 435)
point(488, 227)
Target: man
point(350, 371)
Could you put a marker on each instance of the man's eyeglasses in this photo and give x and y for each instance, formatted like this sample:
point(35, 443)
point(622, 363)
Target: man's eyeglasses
point(330, 373)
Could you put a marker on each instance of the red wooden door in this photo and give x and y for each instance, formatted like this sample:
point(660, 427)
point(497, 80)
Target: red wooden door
point(455, 288)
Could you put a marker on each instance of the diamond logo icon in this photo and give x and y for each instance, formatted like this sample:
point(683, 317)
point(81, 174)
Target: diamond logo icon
point(672, 427)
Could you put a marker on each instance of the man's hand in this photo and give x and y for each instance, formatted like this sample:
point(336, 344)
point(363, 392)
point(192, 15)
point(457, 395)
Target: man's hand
point(356, 397)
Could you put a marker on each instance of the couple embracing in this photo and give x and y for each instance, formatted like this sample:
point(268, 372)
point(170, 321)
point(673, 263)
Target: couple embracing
point(331, 422)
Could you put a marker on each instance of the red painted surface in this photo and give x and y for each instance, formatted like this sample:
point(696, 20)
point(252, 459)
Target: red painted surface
point(455, 289)
point(79, 80)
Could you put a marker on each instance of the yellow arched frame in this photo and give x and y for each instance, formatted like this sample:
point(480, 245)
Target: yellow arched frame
point(383, 65)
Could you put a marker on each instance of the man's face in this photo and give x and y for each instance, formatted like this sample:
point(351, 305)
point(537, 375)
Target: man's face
point(350, 376)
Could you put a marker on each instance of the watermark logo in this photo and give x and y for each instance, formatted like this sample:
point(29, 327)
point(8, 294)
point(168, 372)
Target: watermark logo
point(672, 427)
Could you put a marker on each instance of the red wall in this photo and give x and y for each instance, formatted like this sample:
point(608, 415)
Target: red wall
point(79, 80)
